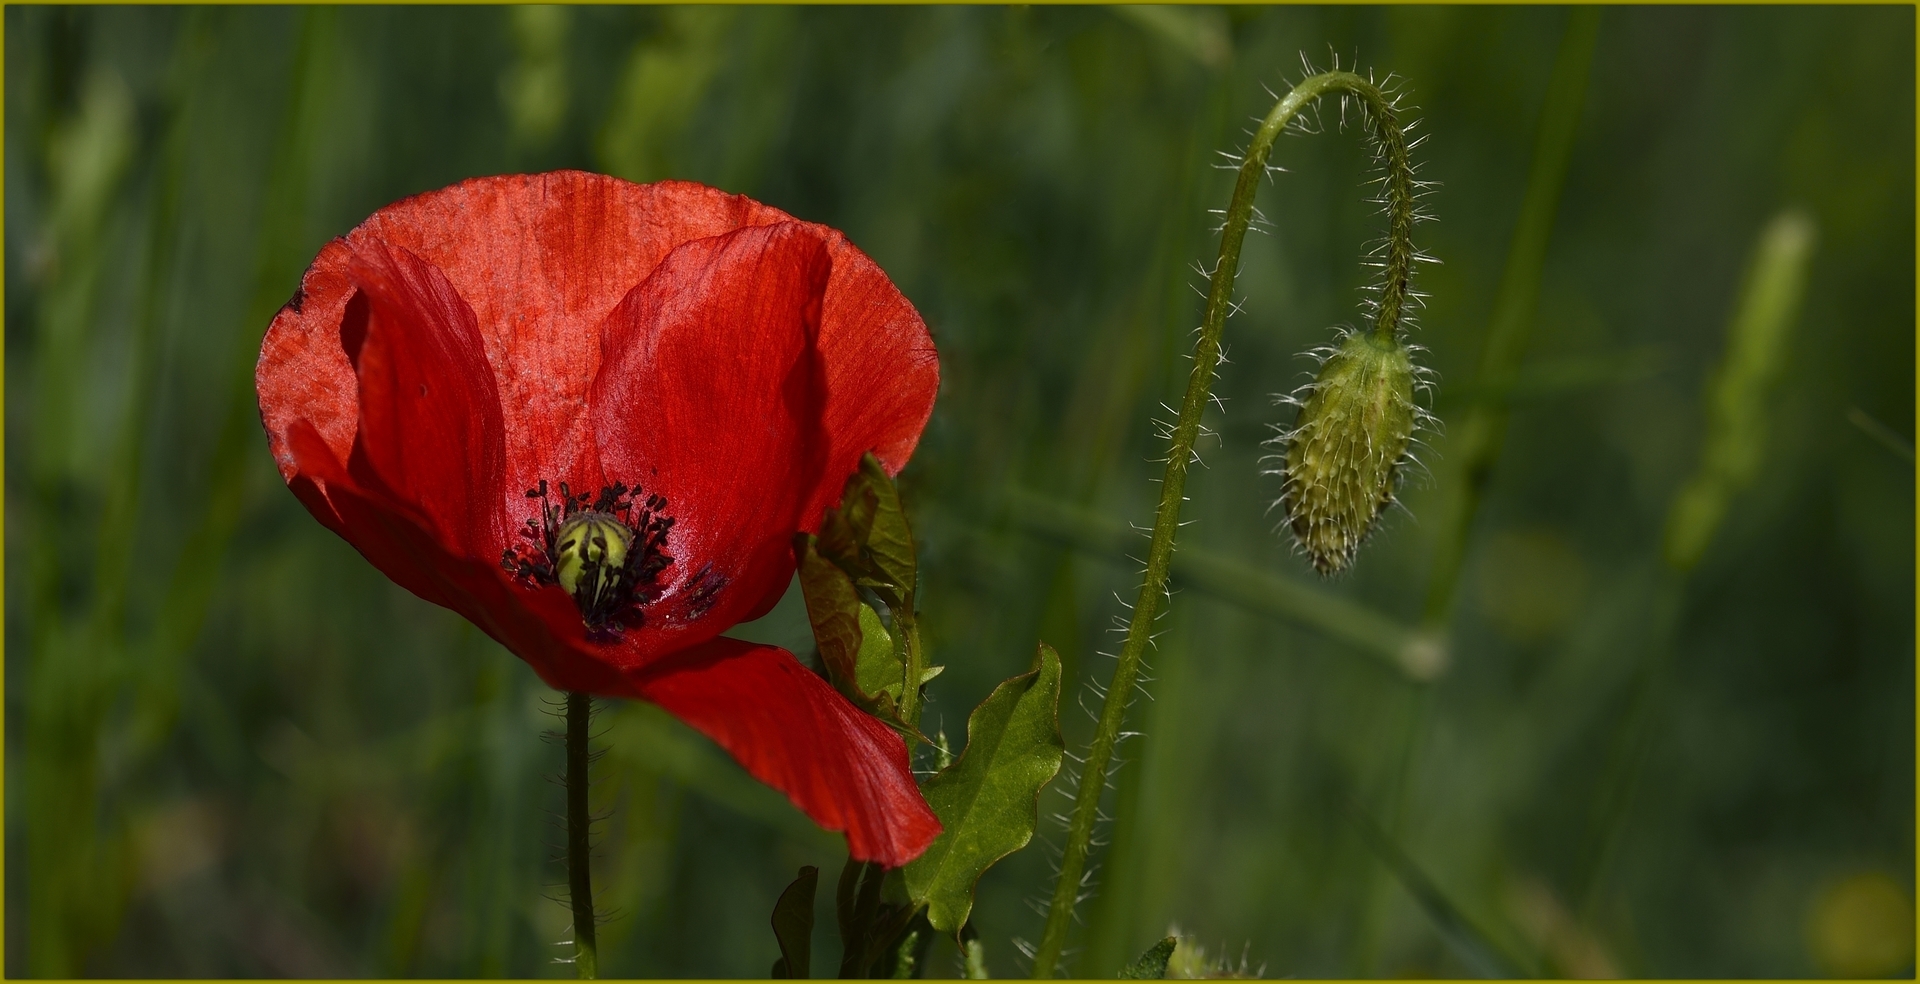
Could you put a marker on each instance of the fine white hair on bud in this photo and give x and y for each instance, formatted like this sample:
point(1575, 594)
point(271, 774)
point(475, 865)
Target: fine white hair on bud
point(1342, 459)
point(1344, 453)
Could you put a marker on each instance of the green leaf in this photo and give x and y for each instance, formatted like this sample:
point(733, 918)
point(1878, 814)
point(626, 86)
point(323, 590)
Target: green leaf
point(869, 927)
point(1152, 965)
point(868, 535)
point(889, 541)
point(833, 607)
point(878, 668)
point(854, 645)
point(988, 799)
point(793, 926)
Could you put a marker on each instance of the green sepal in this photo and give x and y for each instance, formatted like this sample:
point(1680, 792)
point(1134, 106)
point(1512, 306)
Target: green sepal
point(878, 667)
point(1152, 965)
point(868, 535)
point(834, 609)
point(793, 927)
point(988, 799)
point(906, 955)
point(973, 954)
point(942, 752)
point(859, 654)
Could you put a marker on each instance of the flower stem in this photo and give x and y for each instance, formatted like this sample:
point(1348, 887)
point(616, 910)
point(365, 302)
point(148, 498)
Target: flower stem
point(908, 626)
point(1206, 356)
point(579, 872)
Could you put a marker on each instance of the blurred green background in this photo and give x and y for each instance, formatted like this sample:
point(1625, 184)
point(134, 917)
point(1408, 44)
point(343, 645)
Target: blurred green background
point(233, 748)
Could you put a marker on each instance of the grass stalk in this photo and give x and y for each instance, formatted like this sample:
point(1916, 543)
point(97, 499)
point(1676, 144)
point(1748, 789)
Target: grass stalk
point(1483, 431)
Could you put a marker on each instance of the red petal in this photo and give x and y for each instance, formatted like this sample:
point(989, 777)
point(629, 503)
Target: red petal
point(541, 259)
point(882, 373)
point(795, 733)
point(323, 483)
point(540, 626)
point(303, 373)
point(712, 395)
point(430, 428)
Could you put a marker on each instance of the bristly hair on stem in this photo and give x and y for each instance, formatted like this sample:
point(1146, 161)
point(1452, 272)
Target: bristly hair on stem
point(1400, 190)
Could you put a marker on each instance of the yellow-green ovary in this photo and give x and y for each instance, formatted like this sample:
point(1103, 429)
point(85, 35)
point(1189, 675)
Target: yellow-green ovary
point(590, 538)
point(1346, 446)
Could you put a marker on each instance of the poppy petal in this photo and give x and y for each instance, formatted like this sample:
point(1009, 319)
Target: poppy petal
point(736, 452)
point(542, 258)
point(792, 731)
point(541, 626)
point(303, 373)
point(782, 357)
point(882, 373)
point(430, 425)
point(330, 493)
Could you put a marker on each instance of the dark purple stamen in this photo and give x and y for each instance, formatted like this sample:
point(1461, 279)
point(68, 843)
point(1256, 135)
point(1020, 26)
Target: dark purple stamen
point(610, 592)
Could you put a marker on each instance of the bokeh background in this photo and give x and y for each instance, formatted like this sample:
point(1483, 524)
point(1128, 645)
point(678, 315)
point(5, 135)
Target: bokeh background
point(233, 748)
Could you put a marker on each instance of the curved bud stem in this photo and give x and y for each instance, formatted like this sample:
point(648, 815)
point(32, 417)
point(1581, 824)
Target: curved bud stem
point(1399, 255)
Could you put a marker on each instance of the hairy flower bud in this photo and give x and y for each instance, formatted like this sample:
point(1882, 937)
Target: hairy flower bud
point(1344, 452)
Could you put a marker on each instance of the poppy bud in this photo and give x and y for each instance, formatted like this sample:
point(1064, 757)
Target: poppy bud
point(1344, 451)
point(592, 553)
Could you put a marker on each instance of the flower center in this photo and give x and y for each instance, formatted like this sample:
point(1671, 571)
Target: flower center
point(592, 550)
point(606, 551)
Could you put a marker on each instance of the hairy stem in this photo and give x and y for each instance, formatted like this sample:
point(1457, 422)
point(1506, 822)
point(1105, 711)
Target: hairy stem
point(1398, 258)
point(908, 627)
point(579, 872)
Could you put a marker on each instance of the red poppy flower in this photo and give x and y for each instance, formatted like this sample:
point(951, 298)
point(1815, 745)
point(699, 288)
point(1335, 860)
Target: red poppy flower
point(589, 416)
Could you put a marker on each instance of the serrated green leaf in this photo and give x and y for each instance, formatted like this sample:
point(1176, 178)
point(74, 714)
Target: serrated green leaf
point(1152, 965)
point(878, 670)
point(868, 536)
point(860, 656)
point(833, 606)
point(889, 541)
point(988, 799)
point(844, 530)
point(793, 926)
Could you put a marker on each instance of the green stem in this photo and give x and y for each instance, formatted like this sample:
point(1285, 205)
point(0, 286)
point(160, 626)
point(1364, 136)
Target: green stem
point(973, 954)
point(908, 626)
point(579, 869)
point(1206, 356)
point(1243, 585)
